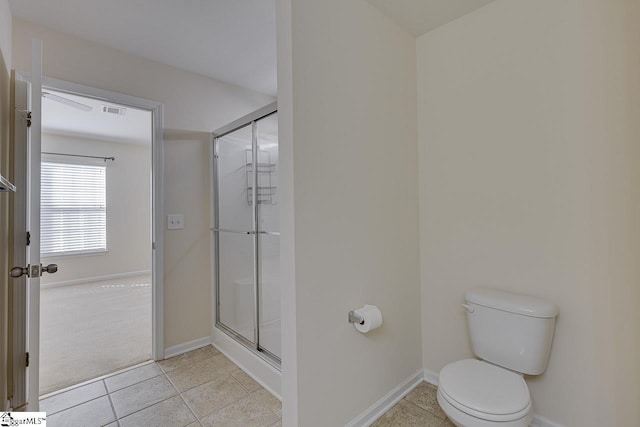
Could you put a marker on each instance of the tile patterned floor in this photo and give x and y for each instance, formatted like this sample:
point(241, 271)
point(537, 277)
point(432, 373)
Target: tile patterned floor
point(199, 388)
point(418, 409)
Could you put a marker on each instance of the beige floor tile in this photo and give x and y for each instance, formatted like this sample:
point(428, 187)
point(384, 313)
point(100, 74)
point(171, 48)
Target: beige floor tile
point(222, 360)
point(132, 376)
point(141, 395)
point(187, 377)
point(73, 397)
point(247, 412)
point(245, 380)
point(216, 394)
point(188, 358)
point(95, 413)
point(269, 400)
point(277, 424)
point(406, 414)
point(447, 423)
point(425, 396)
point(171, 412)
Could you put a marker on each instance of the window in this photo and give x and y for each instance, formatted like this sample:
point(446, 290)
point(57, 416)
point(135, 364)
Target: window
point(73, 217)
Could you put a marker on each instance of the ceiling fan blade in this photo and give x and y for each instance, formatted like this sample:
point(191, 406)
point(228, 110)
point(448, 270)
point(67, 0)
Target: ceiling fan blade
point(66, 101)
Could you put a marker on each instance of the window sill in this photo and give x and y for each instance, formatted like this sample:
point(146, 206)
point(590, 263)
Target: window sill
point(79, 254)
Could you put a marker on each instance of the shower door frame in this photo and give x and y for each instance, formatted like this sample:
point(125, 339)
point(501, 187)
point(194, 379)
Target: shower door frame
point(249, 120)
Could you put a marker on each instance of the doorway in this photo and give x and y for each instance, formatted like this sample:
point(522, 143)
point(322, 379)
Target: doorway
point(28, 322)
point(95, 312)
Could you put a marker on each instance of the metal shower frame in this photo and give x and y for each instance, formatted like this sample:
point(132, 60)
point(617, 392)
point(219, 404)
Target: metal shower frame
point(250, 119)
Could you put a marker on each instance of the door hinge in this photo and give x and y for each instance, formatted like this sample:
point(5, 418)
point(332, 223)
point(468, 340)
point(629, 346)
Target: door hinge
point(28, 238)
point(27, 116)
point(27, 360)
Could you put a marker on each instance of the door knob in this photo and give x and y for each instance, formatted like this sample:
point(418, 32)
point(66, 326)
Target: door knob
point(51, 268)
point(19, 272)
point(33, 270)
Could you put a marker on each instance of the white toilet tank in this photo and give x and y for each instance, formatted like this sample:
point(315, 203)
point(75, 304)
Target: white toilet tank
point(511, 330)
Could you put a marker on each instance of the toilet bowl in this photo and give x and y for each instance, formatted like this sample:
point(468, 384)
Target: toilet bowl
point(512, 335)
point(477, 394)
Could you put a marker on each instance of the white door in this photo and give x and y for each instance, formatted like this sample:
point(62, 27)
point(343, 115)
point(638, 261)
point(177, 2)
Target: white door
point(26, 269)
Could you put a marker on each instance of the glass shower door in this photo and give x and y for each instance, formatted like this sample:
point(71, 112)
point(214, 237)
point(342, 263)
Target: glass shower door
point(235, 236)
point(247, 232)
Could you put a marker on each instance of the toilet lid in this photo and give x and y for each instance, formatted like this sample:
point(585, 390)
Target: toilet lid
point(485, 390)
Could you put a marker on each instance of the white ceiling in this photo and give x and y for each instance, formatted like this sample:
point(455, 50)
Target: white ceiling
point(421, 16)
point(230, 40)
point(134, 127)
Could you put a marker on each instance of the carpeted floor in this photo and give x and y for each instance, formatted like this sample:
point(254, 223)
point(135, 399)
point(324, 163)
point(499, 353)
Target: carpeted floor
point(93, 329)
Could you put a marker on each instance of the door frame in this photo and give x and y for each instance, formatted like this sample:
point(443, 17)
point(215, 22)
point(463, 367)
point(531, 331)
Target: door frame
point(157, 189)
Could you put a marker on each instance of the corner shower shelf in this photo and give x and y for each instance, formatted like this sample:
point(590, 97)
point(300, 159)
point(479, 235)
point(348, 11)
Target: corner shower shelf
point(266, 193)
point(262, 167)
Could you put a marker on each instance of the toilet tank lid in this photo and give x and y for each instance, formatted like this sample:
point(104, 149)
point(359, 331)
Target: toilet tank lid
point(514, 303)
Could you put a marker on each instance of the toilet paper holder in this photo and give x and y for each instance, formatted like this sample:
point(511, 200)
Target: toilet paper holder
point(355, 318)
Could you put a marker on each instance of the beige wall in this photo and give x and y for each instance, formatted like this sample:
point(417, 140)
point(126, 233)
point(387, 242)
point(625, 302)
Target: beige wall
point(192, 104)
point(528, 159)
point(128, 210)
point(355, 207)
point(5, 67)
point(289, 344)
point(186, 191)
point(612, 27)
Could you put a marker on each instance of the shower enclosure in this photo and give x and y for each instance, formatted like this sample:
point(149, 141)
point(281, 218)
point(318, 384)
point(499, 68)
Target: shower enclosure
point(246, 232)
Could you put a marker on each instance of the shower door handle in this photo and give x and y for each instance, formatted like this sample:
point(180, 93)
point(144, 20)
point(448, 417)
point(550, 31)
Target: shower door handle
point(271, 233)
point(217, 230)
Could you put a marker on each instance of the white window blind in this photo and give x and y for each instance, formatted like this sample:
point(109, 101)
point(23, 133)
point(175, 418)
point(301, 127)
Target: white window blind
point(73, 218)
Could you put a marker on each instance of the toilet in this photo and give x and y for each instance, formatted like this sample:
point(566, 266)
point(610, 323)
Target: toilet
point(512, 335)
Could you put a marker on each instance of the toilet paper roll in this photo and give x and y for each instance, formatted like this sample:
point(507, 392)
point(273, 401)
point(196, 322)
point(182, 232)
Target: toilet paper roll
point(372, 318)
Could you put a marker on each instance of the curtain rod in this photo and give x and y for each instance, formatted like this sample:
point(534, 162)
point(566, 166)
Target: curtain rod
point(80, 155)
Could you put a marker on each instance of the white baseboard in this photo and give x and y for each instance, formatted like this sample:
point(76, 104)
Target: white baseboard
point(95, 279)
point(378, 409)
point(431, 377)
point(538, 420)
point(177, 350)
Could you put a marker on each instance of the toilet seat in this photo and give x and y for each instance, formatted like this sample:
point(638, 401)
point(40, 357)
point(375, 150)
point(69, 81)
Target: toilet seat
point(485, 391)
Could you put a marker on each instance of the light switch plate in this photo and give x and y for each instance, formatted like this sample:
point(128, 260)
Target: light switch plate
point(175, 222)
